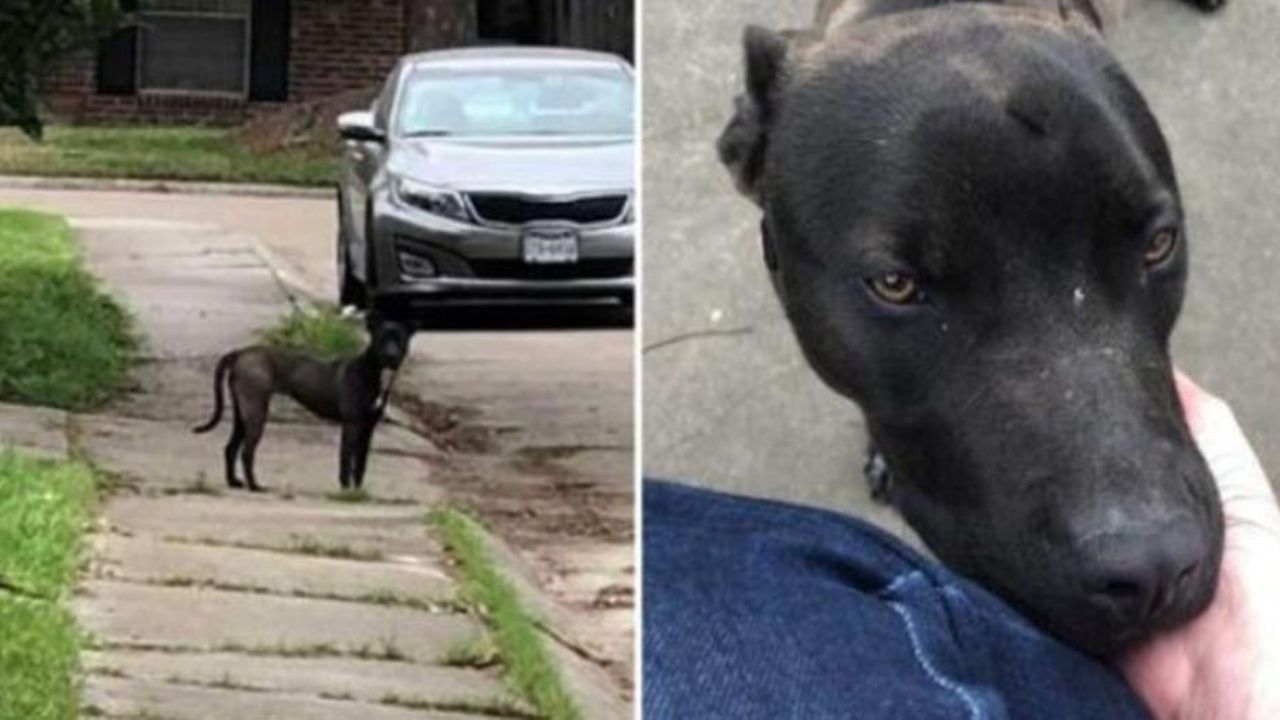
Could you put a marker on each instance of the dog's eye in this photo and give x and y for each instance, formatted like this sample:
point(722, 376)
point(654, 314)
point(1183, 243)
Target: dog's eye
point(895, 288)
point(1160, 247)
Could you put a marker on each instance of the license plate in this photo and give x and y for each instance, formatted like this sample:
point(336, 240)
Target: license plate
point(553, 247)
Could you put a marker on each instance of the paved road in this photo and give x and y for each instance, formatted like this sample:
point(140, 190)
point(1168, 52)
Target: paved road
point(739, 410)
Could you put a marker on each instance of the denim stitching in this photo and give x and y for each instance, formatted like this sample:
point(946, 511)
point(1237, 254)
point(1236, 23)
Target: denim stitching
point(937, 677)
point(1016, 623)
point(898, 582)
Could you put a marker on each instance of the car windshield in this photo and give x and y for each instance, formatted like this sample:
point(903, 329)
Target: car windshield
point(552, 99)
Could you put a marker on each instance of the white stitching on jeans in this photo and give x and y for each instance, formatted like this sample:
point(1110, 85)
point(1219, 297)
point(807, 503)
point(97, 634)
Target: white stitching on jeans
point(898, 582)
point(941, 680)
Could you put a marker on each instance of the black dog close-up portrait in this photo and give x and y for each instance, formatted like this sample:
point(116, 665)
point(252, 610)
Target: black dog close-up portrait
point(973, 223)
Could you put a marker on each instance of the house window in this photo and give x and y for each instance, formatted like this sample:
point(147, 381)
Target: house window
point(194, 46)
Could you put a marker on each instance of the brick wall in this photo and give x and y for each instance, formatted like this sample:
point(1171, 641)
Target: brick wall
point(335, 46)
point(70, 96)
point(342, 45)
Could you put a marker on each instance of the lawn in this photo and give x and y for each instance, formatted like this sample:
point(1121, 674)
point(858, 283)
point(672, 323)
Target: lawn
point(63, 342)
point(529, 667)
point(323, 333)
point(149, 152)
point(44, 507)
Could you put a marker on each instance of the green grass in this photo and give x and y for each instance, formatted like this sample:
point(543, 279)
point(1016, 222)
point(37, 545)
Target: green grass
point(63, 342)
point(476, 652)
point(43, 509)
point(351, 496)
point(529, 668)
point(319, 548)
point(152, 153)
point(323, 333)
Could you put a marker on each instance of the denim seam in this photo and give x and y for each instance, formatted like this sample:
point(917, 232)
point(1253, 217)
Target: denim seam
point(1019, 625)
point(898, 582)
point(937, 677)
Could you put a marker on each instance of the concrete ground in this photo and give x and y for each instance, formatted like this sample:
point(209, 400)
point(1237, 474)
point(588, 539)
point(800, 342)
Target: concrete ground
point(201, 599)
point(729, 403)
point(206, 603)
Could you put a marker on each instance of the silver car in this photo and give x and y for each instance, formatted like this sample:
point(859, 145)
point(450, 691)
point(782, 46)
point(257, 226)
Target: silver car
point(490, 175)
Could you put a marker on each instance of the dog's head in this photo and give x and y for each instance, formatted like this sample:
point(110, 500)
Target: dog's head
point(390, 343)
point(972, 220)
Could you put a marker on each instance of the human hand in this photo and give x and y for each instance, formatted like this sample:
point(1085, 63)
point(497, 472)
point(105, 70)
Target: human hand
point(1225, 664)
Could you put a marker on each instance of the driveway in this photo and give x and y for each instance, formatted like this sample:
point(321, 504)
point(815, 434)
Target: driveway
point(729, 403)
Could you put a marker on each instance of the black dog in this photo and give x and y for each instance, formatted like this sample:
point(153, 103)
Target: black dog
point(352, 392)
point(972, 220)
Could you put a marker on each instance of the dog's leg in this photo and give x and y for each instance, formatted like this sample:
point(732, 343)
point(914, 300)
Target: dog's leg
point(346, 454)
point(253, 435)
point(361, 459)
point(255, 422)
point(232, 449)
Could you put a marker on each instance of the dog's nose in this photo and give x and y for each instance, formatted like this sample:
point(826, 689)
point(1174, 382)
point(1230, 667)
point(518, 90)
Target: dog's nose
point(1136, 577)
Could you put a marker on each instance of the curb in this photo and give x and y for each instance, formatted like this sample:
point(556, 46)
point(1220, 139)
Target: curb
point(173, 187)
point(588, 683)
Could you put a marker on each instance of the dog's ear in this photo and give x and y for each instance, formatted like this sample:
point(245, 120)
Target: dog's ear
point(742, 143)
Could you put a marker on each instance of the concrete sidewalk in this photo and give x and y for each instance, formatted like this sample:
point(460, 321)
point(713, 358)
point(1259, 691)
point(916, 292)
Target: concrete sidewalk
point(209, 604)
point(206, 603)
point(537, 419)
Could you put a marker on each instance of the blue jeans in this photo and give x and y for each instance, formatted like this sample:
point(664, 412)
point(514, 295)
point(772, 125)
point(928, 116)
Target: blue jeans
point(755, 609)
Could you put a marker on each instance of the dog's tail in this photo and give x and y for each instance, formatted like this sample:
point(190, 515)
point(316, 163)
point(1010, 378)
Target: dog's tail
point(219, 381)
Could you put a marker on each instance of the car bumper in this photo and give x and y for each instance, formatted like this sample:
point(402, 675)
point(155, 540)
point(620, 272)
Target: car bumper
point(462, 291)
point(483, 264)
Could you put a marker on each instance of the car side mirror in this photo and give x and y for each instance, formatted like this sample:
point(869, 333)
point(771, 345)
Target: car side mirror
point(360, 126)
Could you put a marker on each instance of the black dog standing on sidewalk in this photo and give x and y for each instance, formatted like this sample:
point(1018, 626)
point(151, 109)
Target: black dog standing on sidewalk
point(352, 392)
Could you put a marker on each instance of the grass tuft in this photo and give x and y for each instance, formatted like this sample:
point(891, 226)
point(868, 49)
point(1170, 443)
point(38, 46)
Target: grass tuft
point(43, 508)
point(154, 153)
point(530, 670)
point(323, 333)
point(488, 707)
point(319, 548)
point(351, 496)
point(478, 652)
point(63, 342)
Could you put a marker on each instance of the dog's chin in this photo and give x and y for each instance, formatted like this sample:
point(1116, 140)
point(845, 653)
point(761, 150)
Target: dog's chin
point(1096, 636)
point(1104, 636)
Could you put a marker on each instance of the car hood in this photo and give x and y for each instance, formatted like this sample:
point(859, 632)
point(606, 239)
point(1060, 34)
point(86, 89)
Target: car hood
point(534, 166)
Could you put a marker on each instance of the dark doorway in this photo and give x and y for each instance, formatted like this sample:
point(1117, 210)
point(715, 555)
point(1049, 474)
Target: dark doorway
point(597, 24)
point(525, 22)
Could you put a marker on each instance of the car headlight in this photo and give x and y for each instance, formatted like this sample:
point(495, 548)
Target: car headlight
point(433, 199)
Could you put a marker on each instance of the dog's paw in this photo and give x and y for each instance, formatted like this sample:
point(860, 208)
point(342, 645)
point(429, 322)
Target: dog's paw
point(879, 477)
point(255, 488)
point(1210, 5)
point(235, 484)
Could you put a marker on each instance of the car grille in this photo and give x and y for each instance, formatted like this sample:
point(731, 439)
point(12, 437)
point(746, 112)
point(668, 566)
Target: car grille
point(583, 269)
point(517, 210)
